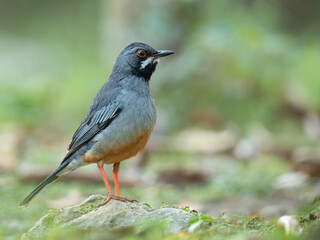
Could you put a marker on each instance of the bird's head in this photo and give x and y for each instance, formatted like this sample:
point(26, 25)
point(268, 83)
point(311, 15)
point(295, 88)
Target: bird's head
point(138, 59)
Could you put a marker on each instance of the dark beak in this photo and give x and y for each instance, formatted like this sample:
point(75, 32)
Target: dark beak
point(163, 53)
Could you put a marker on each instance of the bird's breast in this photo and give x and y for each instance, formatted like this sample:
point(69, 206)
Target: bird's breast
point(108, 152)
point(126, 136)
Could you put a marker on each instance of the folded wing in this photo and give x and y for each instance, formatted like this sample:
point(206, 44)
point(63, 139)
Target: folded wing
point(92, 125)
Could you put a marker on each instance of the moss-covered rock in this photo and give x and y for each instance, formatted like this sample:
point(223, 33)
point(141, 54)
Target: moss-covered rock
point(112, 217)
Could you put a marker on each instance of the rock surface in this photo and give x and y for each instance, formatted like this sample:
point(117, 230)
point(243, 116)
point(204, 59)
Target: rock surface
point(114, 216)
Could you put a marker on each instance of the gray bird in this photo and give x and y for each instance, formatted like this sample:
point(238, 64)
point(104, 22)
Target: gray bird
point(119, 122)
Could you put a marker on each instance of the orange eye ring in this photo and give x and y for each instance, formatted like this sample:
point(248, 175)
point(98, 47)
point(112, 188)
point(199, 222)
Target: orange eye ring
point(141, 53)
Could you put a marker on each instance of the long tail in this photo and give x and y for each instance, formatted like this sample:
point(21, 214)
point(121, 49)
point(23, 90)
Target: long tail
point(53, 176)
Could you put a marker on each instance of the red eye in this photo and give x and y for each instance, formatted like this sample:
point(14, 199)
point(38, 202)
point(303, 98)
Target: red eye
point(141, 53)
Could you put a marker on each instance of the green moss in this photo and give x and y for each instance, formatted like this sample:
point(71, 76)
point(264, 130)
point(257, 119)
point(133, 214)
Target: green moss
point(147, 204)
point(83, 209)
point(164, 205)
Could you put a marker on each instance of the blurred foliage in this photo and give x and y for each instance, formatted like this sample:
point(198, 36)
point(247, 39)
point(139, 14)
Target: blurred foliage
point(236, 61)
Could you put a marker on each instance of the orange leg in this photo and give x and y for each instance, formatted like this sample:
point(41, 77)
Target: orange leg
point(115, 171)
point(110, 195)
point(104, 177)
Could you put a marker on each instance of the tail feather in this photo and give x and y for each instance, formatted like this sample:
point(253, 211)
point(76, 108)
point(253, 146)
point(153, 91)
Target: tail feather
point(53, 176)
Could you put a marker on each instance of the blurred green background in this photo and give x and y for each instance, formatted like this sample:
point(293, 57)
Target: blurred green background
point(238, 104)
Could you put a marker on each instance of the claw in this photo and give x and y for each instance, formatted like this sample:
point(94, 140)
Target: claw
point(115, 197)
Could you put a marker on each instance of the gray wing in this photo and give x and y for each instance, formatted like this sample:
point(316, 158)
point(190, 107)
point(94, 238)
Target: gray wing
point(92, 125)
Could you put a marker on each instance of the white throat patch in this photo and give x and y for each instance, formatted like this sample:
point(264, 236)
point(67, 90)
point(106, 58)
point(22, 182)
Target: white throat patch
point(147, 62)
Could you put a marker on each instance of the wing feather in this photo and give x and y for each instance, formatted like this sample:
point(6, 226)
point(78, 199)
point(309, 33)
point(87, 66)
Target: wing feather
point(92, 125)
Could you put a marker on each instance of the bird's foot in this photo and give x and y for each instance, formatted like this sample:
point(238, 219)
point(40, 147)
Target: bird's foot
point(116, 197)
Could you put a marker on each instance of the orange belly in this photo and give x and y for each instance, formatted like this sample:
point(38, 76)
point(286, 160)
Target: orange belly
point(119, 152)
